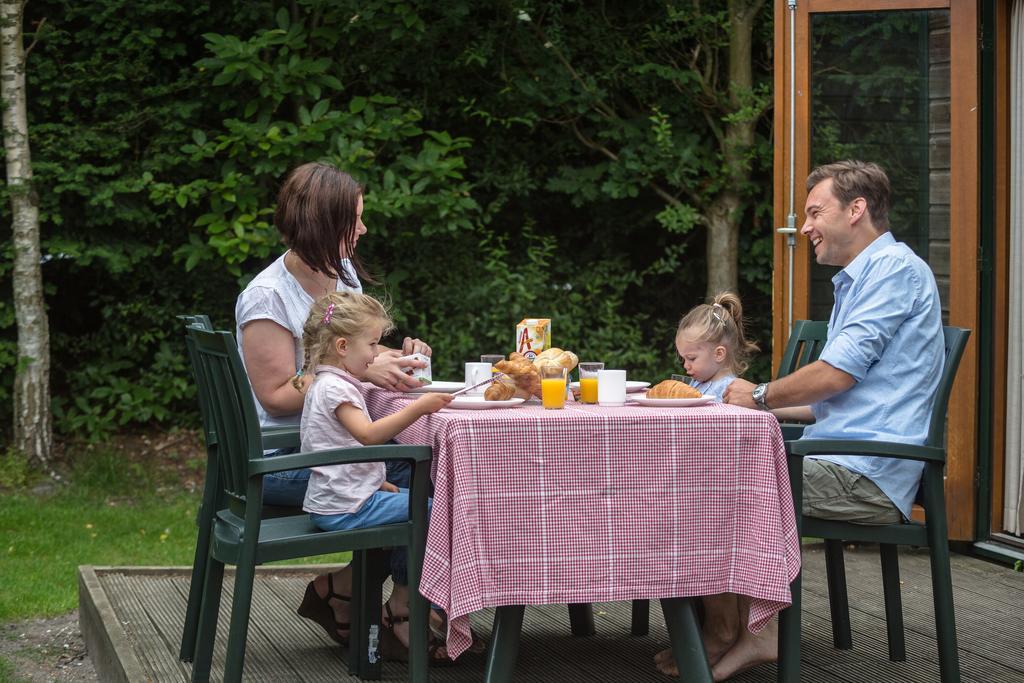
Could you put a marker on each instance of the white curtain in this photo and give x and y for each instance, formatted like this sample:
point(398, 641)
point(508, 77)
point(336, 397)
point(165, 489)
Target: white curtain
point(1013, 508)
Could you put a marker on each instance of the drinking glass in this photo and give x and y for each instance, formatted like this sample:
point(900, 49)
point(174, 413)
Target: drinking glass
point(492, 358)
point(553, 386)
point(685, 379)
point(588, 381)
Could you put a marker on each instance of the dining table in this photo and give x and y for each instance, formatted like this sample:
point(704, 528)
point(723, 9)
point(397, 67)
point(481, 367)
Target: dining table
point(591, 503)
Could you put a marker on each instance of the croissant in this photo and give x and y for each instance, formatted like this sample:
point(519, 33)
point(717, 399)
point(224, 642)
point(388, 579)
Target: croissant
point(525, 375)
point(671, 388)
point(500, 389)
point(557, 357)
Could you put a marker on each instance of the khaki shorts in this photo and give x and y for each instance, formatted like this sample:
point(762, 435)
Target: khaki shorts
point(833, 492)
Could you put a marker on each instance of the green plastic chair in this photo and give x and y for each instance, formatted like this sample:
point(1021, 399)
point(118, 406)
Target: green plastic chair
point(242, 537)
point(931, 534)
point(273, 438)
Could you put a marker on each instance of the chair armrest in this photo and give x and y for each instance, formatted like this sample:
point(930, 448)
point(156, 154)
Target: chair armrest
point(885, 449)
point(339, 456)
point(791, 431)
point(280, 437)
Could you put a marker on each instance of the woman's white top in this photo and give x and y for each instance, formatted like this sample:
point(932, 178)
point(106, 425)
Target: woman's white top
point(276, 295)
point(335, 489)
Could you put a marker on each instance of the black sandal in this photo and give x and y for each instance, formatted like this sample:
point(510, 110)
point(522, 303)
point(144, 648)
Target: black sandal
point(393, 648)
point(319, 609)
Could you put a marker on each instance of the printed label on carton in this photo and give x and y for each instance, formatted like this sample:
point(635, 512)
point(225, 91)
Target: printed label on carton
point(533, 335)
point(422, 374)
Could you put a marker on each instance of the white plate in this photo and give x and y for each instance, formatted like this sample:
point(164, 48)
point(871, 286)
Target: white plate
point(671, 402)
point(480, 403)
point(631, 386)
point(439, 387)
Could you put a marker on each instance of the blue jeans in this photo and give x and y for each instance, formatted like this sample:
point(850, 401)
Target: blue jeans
point(288, 489)
point(381, 508)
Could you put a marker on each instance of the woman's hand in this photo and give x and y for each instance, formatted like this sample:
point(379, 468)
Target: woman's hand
point(386, 371)
point(411, 346)
point(388, 487)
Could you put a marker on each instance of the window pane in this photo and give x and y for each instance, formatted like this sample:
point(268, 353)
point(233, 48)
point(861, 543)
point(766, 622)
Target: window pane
point(880, 92)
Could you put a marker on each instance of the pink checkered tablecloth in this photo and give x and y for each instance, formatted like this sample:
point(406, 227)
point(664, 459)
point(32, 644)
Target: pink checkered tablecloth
point(594, 504)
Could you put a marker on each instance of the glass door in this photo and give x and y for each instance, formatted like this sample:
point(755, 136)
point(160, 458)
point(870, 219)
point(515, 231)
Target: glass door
point(895, 82)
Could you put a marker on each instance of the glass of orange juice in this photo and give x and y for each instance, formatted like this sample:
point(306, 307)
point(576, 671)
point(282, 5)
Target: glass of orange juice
point(588, 381)
point(553, 386)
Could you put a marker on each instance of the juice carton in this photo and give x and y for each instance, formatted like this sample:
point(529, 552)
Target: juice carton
point(422, 374)
point(533, 335)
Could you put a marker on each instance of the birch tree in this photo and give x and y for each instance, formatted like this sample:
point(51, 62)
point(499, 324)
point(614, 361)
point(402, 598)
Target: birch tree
point(33, 433)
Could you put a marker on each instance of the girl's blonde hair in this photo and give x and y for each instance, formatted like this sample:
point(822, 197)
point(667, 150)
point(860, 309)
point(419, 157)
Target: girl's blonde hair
point(721, 323)
point(334, 315)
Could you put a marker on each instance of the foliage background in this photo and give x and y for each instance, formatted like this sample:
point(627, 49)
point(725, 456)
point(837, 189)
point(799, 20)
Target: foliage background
point(159, 136)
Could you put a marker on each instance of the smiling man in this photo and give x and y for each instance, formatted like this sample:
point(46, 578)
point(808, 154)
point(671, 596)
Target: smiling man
point(874, 380)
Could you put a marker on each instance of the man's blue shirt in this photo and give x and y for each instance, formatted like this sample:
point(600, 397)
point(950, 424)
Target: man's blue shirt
point(886, 332)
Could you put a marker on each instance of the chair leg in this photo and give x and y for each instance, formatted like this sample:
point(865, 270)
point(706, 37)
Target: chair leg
point(893, 601)
point(367, 575)
point(789, 636)
point(839, 604)
point(942, 580)
point(640, 622)
point(206, 629)
point(195, 589)
point(581, 619)
point(419, 608)
point(234, 660)
point(687, 643)
point(501, 655)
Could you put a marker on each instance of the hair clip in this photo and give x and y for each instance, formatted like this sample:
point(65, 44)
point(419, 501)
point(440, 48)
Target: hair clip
point(329, 313)
point(718, 317)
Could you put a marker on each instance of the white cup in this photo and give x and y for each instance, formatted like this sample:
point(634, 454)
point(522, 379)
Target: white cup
point(476, 373)
point(611, 387)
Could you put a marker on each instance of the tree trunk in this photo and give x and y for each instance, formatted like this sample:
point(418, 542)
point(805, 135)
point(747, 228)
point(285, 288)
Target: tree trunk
point(33, 431)
point(725, 214)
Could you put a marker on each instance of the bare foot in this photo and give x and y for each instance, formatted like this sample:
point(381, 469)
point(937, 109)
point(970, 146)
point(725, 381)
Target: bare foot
point(749, 651)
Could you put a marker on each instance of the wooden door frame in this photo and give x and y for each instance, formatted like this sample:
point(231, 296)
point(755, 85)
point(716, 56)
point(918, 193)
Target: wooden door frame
point(961, 489)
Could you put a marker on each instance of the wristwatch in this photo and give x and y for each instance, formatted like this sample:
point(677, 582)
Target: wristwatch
point(759, 394)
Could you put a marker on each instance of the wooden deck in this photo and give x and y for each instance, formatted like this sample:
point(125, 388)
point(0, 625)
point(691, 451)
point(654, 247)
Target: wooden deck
point(131, 619)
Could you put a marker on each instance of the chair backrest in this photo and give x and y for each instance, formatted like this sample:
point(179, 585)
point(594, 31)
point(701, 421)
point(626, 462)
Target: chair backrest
point(804, 346)
point(202, 389)
point(955, 339)
point(231, 407)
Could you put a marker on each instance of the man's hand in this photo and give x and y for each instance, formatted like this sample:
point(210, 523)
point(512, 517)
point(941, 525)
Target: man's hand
point(386, 371)
point(739, 393)
point(388, 487)
point(411, 346)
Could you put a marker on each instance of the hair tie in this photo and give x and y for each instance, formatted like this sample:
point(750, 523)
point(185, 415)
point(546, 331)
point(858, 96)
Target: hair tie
point(329, 313)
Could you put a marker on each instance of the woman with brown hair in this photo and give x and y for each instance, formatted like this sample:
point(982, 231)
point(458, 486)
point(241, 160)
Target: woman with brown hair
point(319, 215)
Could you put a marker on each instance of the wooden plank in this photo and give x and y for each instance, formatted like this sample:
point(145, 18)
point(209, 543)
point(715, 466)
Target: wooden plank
point(823, 6)
point(146, 641)
point(550, 653)
point(780, 194)
point(961, 493)
point(104, 634)
point(1001, 264)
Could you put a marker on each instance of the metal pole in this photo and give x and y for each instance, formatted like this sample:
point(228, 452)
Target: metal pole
point(790, 229)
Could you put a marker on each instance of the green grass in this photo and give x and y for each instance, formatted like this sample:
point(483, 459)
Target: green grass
point(113, 510)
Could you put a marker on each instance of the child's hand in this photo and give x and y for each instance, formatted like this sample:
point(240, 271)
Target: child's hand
point(388, 487)
point(431, 403)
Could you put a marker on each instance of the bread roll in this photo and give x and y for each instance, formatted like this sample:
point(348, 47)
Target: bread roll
point(557, 357)
point(671, 388)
